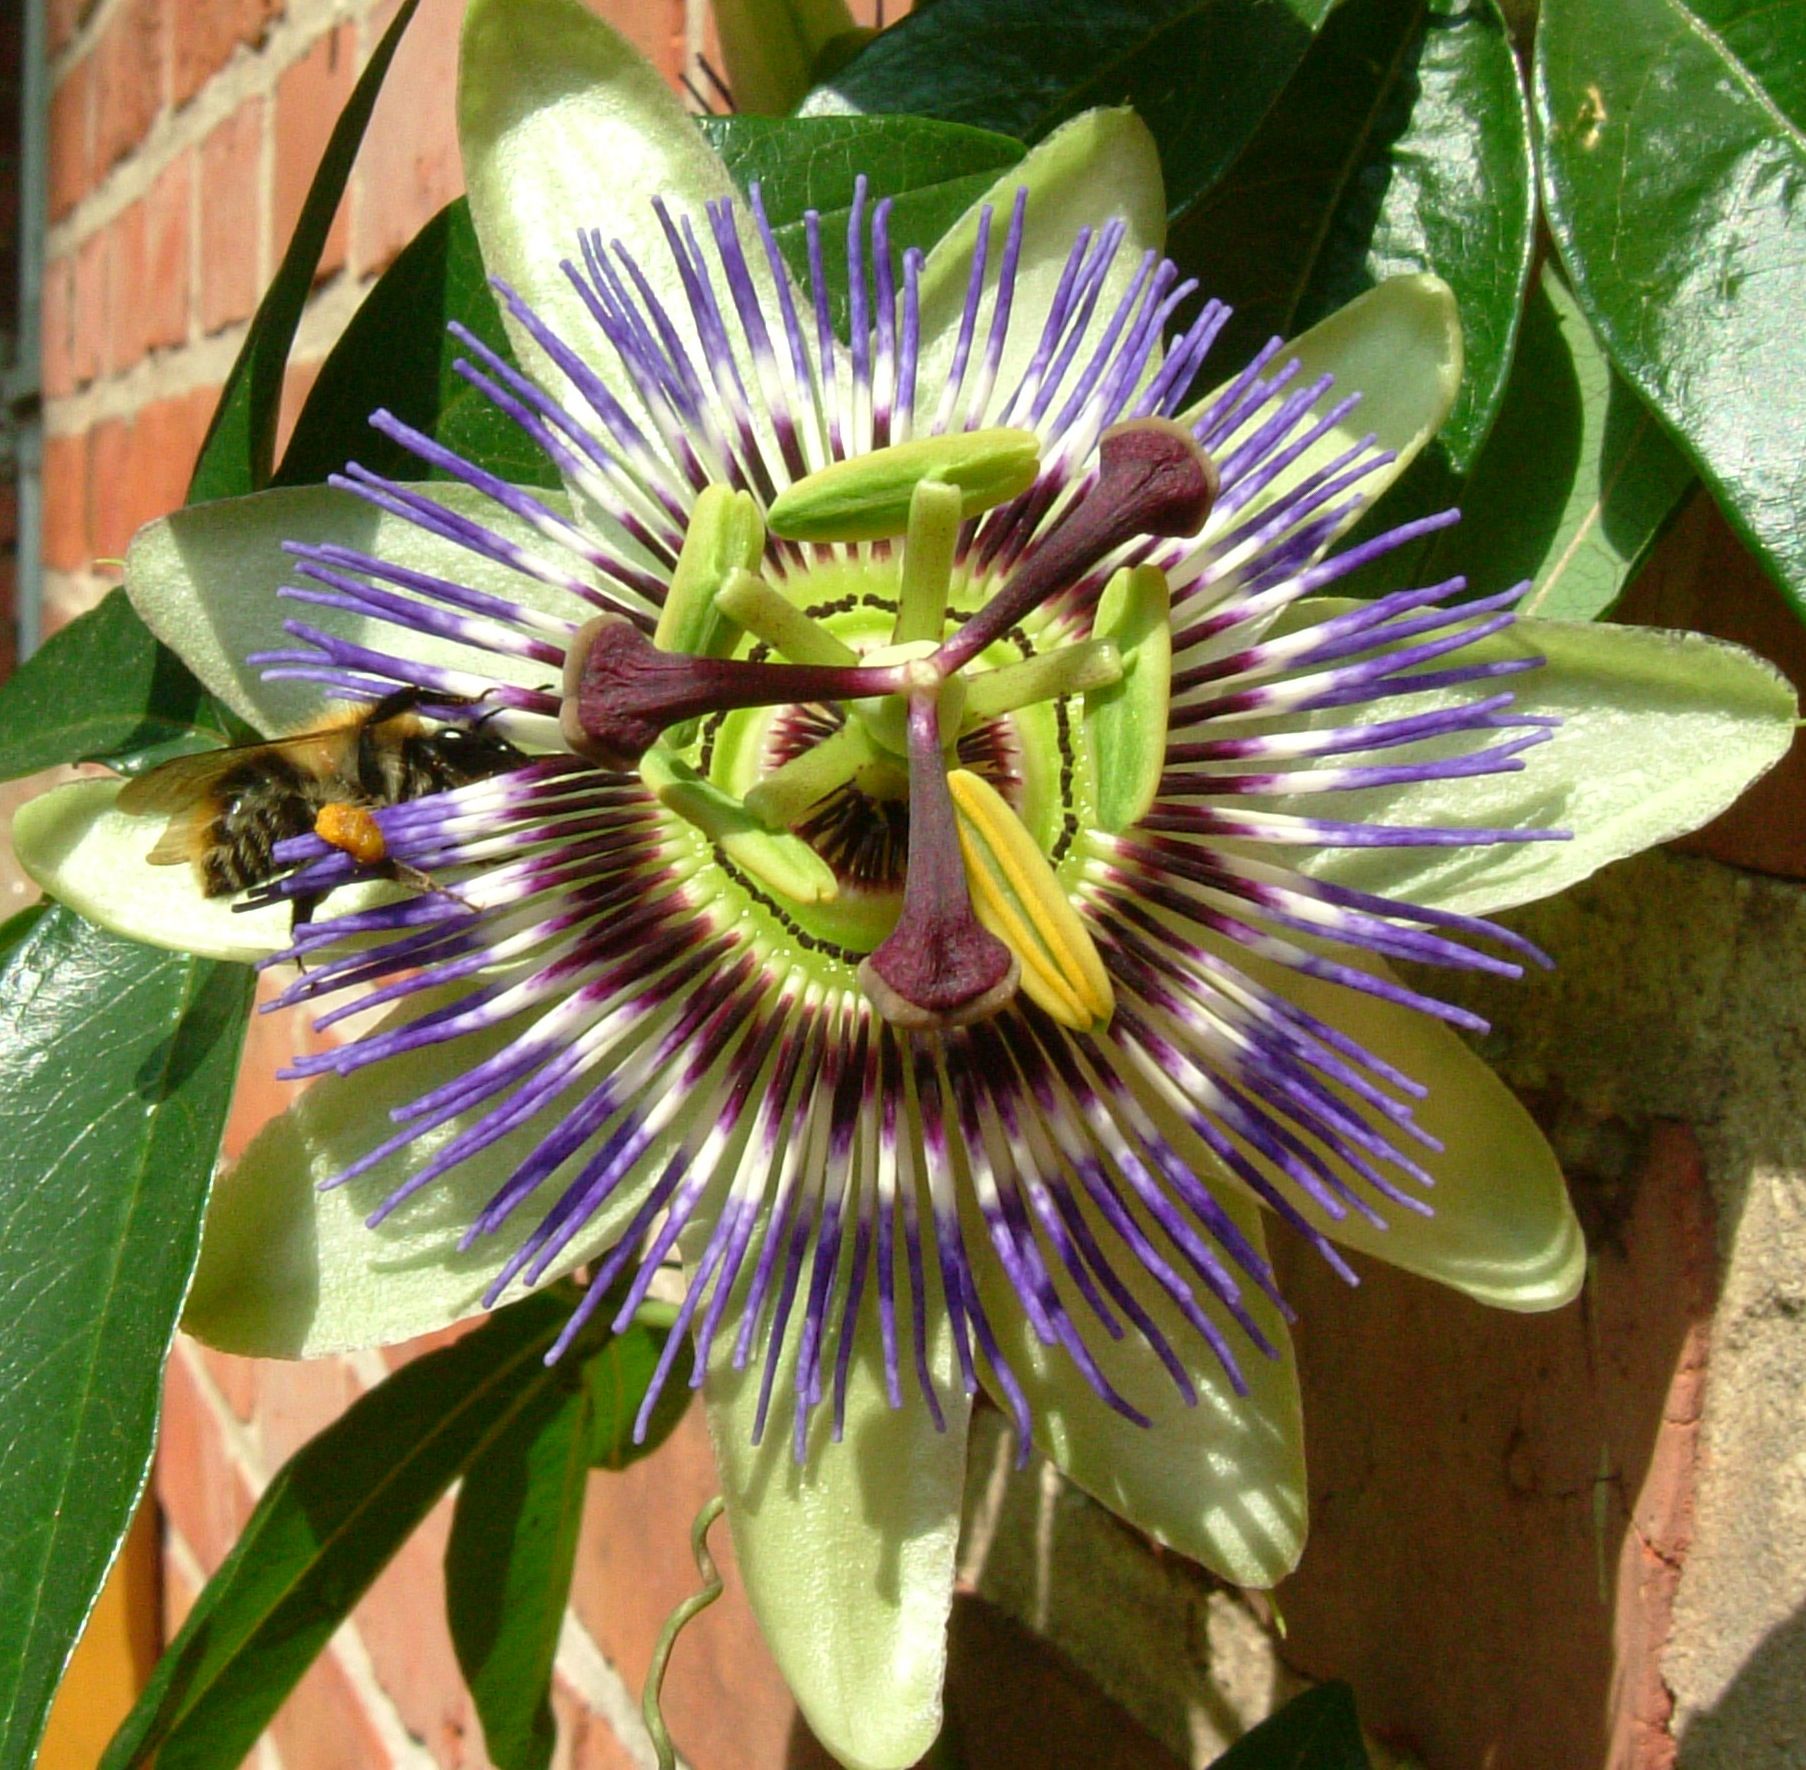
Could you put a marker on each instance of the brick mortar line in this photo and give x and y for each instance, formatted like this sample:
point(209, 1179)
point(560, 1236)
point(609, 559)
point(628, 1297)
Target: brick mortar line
point(247, 73)
point(203, 362)
point(592, 1676)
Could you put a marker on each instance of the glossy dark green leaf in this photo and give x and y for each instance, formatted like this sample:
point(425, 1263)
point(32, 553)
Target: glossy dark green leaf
point(618, 1377)
point(1574, 486)
point(116, 1067)
point(1402, 144)
point(101, 688)
point(241, 443)
point(1202, 73)
point(397, 353)
point(933, 172)
point(508, 1570)
point(1315, 1731)
point(1674, 136)
point(324, 1528)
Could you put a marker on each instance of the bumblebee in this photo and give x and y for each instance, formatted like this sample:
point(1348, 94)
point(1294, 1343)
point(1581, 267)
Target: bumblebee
point(227, 809)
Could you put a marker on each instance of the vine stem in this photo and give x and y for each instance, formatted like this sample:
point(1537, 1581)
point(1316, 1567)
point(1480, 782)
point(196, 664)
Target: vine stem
point(691, 1607)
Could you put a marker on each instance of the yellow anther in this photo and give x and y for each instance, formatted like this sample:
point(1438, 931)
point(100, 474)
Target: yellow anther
point(1018, 896)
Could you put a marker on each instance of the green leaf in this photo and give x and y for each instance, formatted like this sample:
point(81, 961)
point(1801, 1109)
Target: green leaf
point(1402, 143)
point(618, 1377)
point(102, 688)
point(116, 1067)
point(932, 172)
point(508, 1569)
point(397, 353)
point(241, 442)
point(323, 1530)
point(1573, 488)
point(1201, 73)
point(1315, 1731)
point(1674, 136)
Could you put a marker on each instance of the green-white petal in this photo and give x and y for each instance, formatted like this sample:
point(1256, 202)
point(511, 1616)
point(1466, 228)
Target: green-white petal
point(1102, 164)
point(773, 48)
point(205, 582)
point(564, 127)
point(84, 851)
point(1221, 1481)
point(1398, 346)
point(289, 1271)
point(848, 1559)
point(1660, 732)
point(1503, 1229)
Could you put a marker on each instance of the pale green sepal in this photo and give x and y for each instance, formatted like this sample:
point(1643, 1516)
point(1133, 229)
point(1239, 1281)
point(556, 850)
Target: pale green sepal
point(868, 497)
point(205, 581)
point(784, 863)
point(1125, 721)
point(1099, 165)
point(85, 852)
point(564, 126)
point(1503, 1228)
point(1660, 732)
point(773, 49)
point(849, 1559)
point(1398, 346)
point(289, 1271)
point(1222, 1482)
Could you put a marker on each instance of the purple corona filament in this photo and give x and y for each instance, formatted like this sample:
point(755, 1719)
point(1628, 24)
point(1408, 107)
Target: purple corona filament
point(670, 1063)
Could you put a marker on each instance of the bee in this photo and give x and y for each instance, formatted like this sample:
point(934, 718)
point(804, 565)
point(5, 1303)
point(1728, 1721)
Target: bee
point(227, 809)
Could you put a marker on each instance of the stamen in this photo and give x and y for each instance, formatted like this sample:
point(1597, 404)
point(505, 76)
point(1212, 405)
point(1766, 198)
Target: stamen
point(1153, 479)
point(621, 691)
point(928, 549)
point(784, 797)
point(938, 967)
point(770, 614)
point(1047, 676)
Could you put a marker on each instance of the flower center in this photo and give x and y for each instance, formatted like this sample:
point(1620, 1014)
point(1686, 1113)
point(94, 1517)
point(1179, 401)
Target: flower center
point(874, 760)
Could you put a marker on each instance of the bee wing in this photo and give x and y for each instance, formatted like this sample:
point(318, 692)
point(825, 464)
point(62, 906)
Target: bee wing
point(175, 785)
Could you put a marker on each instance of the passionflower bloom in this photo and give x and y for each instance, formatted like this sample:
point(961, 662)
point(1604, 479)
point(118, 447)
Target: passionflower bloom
point(945, 890)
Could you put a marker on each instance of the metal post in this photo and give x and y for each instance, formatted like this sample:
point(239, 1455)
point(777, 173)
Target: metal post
point(23, 401)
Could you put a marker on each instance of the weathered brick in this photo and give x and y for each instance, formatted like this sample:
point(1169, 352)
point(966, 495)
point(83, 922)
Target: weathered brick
point(297, 383)
point(324, 1725)
point(125, 288)
point(178, 1596)
point(654, 27)
point(66, 502)
point(206, 1494)
point(89, 334)
point(296, 1401)
point(402, 1622)
point(63, 19)
point(409, 166)
point(309, 96)
point(235, 1378)
point(109, 455)
point(71, 138)
point(723, 1697)
point(168, 208)
point(57, 362)
point(165, 438)
point(131, 78)
point(585, 1740)
point(232, 217)
point(206, 35)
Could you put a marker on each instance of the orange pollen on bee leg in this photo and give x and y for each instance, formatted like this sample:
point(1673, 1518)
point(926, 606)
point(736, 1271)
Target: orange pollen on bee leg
point(352, 829)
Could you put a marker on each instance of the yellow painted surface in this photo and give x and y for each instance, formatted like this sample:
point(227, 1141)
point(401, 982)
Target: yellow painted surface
point(114, 1656)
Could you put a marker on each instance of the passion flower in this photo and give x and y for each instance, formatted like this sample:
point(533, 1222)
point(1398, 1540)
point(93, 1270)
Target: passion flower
point(949, 899)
